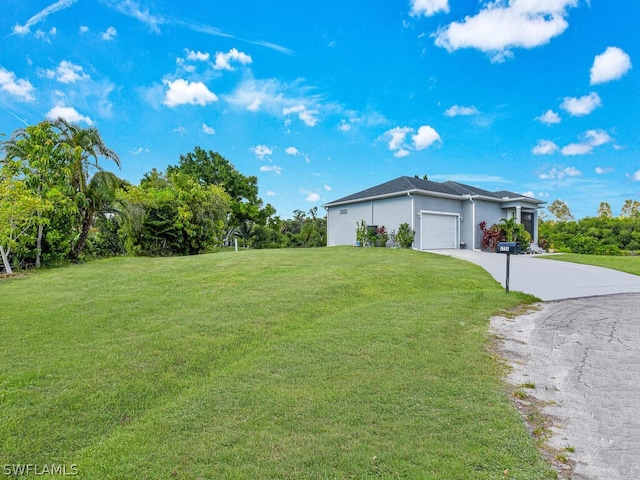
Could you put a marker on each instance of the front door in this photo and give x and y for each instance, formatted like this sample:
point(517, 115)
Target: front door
point(526, 219)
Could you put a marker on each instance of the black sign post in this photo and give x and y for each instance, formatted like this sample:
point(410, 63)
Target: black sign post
point(508, 248)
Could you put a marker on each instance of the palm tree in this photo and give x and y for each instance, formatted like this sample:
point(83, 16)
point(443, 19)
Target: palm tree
point(94, 187)
point(245, 231)
point(509, 227)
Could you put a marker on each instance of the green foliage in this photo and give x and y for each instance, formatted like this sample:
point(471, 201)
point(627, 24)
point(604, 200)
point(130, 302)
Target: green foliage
point(19, 210)
point(211, 168)
point(59, 163)
point(592, 235)
point(361, 233)
point(172, 215)
point(405, 236)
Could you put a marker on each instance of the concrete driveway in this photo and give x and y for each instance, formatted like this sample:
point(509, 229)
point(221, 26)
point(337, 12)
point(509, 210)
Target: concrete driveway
point(581, 350)
point(548, 279)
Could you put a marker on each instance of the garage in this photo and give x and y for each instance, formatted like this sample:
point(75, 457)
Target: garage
point(439, 230)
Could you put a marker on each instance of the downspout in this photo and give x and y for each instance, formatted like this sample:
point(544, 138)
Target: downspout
point(413, 213)
point(473, 224)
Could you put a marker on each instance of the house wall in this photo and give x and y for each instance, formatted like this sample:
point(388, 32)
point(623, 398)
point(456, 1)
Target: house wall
point(390, 212)
point(489, 212)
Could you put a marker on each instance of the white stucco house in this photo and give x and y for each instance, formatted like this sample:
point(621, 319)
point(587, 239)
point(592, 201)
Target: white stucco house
point(443, 215)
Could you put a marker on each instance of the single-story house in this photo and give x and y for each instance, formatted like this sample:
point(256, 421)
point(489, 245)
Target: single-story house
point(443, 215)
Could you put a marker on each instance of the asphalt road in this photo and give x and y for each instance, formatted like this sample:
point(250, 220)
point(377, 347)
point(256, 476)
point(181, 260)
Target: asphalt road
point(581, 350)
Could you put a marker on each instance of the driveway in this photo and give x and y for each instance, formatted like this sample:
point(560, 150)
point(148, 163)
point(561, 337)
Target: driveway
point(581, 351)
point(549, 279)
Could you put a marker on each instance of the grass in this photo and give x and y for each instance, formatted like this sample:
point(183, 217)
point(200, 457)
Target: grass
point(320, 363)
point(626, 263)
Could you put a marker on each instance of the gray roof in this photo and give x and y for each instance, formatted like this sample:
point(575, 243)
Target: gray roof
point(403, 185)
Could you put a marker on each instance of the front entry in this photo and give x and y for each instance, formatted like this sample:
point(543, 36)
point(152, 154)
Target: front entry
point(526, 218)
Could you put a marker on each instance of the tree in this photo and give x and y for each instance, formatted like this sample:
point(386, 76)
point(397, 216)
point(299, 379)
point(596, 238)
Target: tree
point(211, 168)
point(36, 154)
point(560, 210)
point(19, 210)
point(631, 208)
point(509, 226)
point(93, 188)
point(604, 210)
point(172, 215)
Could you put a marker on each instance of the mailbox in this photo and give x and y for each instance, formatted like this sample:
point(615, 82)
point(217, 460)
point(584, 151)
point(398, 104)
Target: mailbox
point(509, 248)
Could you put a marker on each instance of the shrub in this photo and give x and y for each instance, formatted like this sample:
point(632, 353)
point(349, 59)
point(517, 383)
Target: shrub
point(405, 236)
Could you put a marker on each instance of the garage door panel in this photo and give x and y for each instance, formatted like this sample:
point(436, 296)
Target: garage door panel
point(438, 231)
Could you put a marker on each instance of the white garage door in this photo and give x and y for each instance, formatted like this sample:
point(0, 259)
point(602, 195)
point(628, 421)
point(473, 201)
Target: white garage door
point(438, 231)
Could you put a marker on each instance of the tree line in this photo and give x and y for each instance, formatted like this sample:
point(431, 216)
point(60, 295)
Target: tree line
point(604, 234)
point(58, 203)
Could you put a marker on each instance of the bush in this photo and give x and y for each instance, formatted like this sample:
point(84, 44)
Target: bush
point(405, 236)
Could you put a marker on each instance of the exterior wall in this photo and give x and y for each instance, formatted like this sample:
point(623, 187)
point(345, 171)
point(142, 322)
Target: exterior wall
point(390, 212)
point(489, 212)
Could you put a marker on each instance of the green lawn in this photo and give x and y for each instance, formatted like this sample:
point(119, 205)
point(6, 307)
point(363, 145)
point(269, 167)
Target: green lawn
point(319, 363)
point(626, 263)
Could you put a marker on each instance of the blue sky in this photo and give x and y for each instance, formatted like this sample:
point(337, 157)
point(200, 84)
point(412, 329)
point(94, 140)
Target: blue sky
point(323, 99)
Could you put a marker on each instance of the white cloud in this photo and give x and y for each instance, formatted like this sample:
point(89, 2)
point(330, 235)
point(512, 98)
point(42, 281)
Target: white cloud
point(197, 56)
point(84, 29)
point(327, 188)
point(603, 171)
point(425, 137)
point(17, 87)
point(292, 151)
point(458, 110)
point(344, 126)
point(428, 7)
point(636, 176)
point(208, 130)
point(67, 72)
point(559, 173)
point(590, 140)
point(271, 193)
point(278, 99)
point(180, 130)
point(307, 116)
point(271, 168)
point(545, 147)
point(262, 151)
point(132, 9)
point(68, 113)
point(182, 92)
point(501, 26)
point(139, 150)
point(549, 117)
point(311, 196)
point(223, 60)
point(610, 65)
point(397, 137)
point(110, 34)
point(41, 15)
point(579, 107)
point(576, 149)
